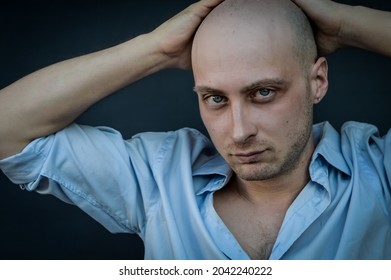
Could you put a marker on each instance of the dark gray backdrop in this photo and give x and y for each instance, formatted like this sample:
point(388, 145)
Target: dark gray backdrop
point(35, 34)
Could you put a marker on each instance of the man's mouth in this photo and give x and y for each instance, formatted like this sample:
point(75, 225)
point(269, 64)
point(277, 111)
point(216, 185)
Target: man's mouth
point(249, 157)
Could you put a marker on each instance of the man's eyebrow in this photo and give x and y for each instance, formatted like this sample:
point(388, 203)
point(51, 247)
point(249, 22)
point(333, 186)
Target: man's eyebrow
point(254, 86)
point(265, 83)
point(206, 89)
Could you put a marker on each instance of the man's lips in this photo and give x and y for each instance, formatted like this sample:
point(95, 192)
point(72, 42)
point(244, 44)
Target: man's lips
point(248, 157)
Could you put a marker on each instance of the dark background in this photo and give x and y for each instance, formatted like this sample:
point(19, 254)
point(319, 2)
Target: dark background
point(35, 34)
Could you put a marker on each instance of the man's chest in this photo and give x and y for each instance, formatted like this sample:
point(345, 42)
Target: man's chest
point(255, 231)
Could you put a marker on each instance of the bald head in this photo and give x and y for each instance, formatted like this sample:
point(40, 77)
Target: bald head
point(254, 27)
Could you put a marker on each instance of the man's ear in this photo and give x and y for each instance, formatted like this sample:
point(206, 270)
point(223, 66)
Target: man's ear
point(319, 79)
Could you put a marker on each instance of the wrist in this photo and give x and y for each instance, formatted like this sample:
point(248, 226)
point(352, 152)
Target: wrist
point(153, 52)
point(353, 20)
point(343, 12)
point(173, 49)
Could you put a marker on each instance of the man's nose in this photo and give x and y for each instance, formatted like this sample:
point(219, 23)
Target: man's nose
point(243, 126)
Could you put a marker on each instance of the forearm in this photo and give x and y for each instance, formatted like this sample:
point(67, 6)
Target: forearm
point(367, 29)
point(51, 98)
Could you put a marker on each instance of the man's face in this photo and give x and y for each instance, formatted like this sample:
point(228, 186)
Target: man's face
point(256, 104)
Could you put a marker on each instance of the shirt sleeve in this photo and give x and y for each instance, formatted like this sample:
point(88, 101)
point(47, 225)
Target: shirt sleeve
point(93, 168)
point(372, 153)
point(380, 155)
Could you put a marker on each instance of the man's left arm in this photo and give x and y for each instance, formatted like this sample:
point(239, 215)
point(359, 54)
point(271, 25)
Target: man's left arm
point(339, 25)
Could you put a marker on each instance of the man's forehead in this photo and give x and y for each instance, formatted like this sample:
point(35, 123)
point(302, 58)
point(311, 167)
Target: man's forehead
point(237, 61)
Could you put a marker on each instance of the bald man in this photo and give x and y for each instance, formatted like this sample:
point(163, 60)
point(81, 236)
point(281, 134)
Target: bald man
point(257, 77)
point(269, 184)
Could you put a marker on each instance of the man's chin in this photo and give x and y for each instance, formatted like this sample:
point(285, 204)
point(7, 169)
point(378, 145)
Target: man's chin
point(256, 173)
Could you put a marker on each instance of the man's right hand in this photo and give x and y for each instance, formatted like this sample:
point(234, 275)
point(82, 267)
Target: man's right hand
point(174, 37)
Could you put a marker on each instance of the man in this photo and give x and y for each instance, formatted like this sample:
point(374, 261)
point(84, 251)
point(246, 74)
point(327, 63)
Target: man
point(277, 189)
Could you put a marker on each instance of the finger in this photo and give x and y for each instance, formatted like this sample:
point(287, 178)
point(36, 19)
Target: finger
point(297, 2)
point(203, 7)
point(303, 3)
point(210, 3)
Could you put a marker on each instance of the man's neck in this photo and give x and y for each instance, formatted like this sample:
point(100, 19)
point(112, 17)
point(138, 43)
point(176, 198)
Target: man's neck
point(267, 191)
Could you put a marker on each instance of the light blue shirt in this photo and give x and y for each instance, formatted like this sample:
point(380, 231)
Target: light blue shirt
point(161, 185)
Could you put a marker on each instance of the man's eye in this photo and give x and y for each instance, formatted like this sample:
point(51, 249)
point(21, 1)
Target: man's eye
point(265, 92)
point(263, 95)
point(215, 99)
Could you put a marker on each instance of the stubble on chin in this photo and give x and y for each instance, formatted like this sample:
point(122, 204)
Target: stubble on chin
point(275, 163)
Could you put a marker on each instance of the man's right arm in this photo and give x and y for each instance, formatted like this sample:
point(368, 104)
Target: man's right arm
point(51, 98)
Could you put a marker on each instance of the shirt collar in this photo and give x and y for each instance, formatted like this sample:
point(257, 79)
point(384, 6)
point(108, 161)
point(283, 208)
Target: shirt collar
point(217, 169)
point(328, 147)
